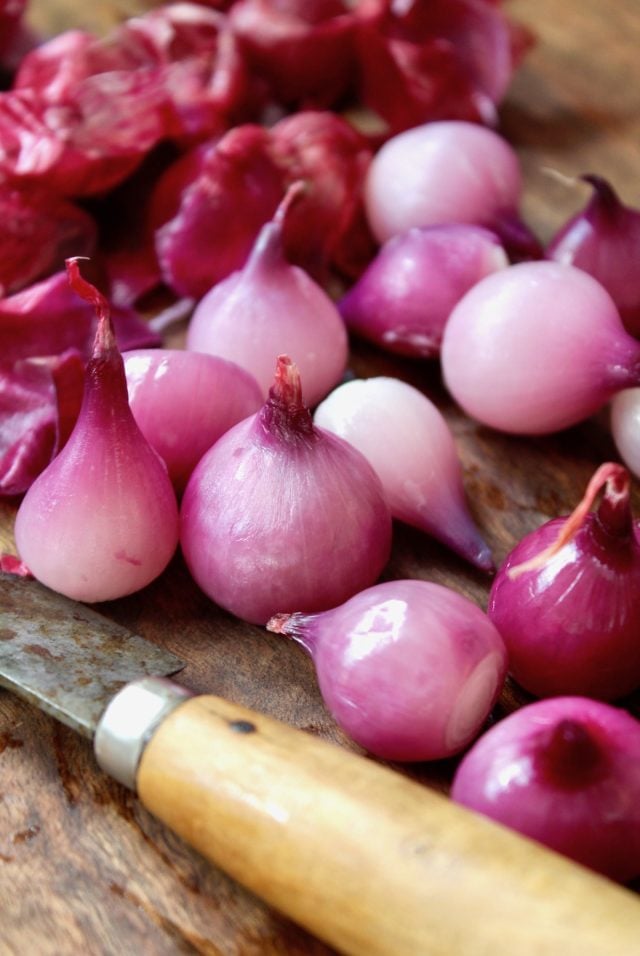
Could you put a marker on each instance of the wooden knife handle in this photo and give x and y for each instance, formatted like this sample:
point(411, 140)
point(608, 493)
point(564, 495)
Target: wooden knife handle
point(367, 860)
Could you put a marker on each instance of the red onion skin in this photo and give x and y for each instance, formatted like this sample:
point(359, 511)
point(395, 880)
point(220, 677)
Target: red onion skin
point(604, 240)
point(280, 514)
point(183, 402)
point(571, 626)
point(304, 50)
point(564, 772)
point(409, 669)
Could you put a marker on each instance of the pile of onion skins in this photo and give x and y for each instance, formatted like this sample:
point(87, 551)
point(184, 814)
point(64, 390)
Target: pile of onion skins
point(268, 491)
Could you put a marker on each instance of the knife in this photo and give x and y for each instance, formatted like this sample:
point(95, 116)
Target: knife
point(366, 859)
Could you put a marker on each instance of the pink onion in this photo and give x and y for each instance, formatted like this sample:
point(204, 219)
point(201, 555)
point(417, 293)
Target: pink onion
point(406, 295)
point(271, 307)
point(444, 172)
point(625, 427)
point(409, 669)
point(102, 520)
point(280, 514)
point(567, 598)
point(536, 348)
point(604, 240)
point(565, 772)
point(410, 447)
point(184, 401)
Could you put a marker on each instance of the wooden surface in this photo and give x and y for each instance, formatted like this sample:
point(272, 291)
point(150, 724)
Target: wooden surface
point(83, 868)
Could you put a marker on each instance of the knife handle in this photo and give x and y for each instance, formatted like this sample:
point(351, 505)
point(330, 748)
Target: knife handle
point(366, 859)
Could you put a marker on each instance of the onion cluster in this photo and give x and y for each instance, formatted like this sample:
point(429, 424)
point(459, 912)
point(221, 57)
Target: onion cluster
point(125, 451)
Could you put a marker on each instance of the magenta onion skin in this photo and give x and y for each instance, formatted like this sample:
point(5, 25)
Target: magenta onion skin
point(404, 298)
point(409, 669)
point(271, 307)
point(408, 443)
point(184, 401)
point(280, 514)
point(101, 521)
point(604, 240)
point(564, 772)
point(625, 427)
point(570, 621)
point(557, 314)
point(441, 172)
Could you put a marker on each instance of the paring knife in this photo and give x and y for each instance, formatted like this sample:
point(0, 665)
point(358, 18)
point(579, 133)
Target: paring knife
point(367, 860)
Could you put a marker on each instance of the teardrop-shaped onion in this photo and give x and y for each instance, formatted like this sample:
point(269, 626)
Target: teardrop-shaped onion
point(410, 447)
point(184, 401)
point(536, 348)
point(102, 520)
point(271, 307)
point(281, 514)
point(409, 669)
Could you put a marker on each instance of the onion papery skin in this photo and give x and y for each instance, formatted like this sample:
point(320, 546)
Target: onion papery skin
point(268, 308)
point(404, 298)
point(625, 427)
point(571, 626)
point(102, 520)
point(408, 443)
point(582, 801)
point(557, 314)
point(184, 402)
point(442, 172)
point(409, 669)
point(280, 514)
point(604, 240)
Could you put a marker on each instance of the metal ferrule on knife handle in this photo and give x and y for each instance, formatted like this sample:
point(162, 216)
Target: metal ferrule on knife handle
point(128, 723)
point(367, 860)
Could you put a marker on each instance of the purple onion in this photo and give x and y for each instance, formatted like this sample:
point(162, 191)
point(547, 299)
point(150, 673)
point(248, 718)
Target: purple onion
point(567, 598)
point(409, 669)
point(536, 348)
point(280, 514)
point(404, 298)
point(604, 240)
point(565, 772)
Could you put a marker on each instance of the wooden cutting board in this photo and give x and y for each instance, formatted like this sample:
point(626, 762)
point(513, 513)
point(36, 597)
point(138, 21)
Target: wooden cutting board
point(82, 867)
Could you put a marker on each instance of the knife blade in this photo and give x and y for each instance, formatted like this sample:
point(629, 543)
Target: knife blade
point(366, 859)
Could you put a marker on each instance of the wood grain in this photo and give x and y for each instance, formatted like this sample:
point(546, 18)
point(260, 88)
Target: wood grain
point(83, 868)
point(367, 860)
